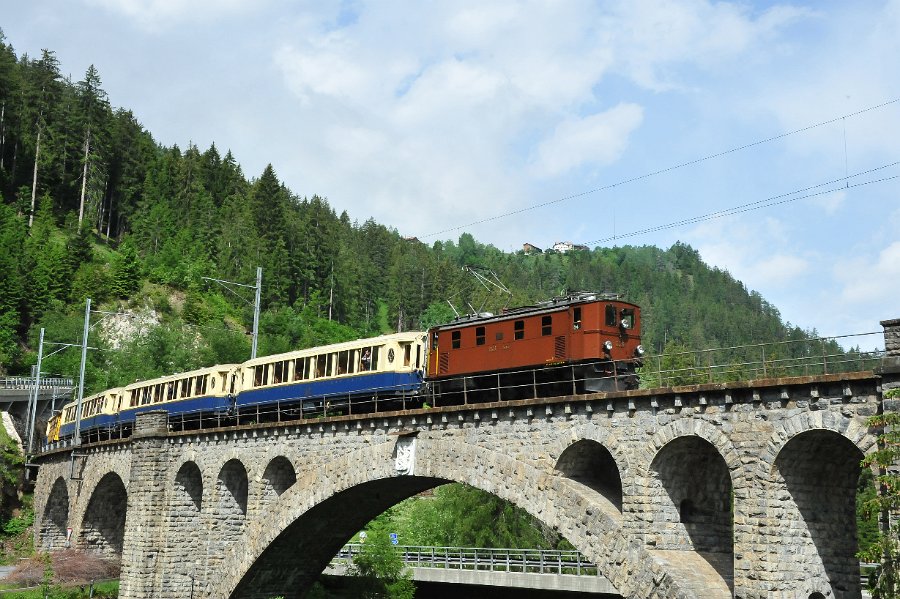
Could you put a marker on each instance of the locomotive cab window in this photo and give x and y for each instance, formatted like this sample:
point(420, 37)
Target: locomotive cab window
point(627, 321)
point(456, 339)
point(546, 325)
point(610, 315)
point(519, 329)
point(576, 318)
point(479, 335)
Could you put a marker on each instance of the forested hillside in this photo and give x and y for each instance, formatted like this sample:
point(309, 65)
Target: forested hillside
point(94, 208)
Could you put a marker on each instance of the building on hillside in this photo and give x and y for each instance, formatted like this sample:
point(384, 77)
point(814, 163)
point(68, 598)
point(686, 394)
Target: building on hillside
point(567, 246)
point(531, 249)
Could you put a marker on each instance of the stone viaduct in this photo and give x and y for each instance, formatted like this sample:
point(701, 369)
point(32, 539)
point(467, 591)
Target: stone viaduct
point(712, 491)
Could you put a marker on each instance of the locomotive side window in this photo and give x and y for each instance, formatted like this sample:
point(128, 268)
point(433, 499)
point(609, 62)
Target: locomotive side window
point(576, 318)
point(456, 338)
point(610, 315)
point(479, 335)
point(519, 329)
point(546, 325)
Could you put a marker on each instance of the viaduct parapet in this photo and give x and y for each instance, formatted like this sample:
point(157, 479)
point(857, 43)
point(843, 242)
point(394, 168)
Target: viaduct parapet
point(713, 491)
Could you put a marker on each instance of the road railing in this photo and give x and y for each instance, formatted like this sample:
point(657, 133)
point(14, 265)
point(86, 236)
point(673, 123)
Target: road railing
point(530, 561)
point(27, 382)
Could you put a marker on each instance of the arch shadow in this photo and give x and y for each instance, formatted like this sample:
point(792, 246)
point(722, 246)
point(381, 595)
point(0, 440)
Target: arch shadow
point(820, 471)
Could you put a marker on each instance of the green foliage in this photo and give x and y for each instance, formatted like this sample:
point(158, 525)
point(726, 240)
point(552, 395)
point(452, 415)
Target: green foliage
point(379, 570)
point(11, 464)
point(457, 515)
point(19, 524)
point(884, 583)
point(676, 366)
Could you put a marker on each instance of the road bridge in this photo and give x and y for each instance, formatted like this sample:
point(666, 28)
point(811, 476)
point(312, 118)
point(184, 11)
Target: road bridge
point(543, 569)
point(16, 393)
point(720, 490)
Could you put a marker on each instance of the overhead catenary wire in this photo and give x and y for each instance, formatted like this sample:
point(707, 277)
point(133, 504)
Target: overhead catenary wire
point(776, 200)
point(665, 170)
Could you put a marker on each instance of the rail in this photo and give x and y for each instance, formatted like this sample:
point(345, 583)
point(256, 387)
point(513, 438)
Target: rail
point(533, 561)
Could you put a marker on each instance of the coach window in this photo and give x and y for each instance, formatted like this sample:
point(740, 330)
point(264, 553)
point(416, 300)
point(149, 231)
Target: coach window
point(576, 318)
point(407, 354)
point(519, 327)
point(280, 373)
point(546, 325)
point(610, 315)
point(479, 335)
point(456, 338)
point(343, 362)
point(376, 350)
point(186, 387)
point(321, 361)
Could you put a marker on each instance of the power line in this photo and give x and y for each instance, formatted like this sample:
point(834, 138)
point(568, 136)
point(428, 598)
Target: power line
point(783, 198)
point(665, 170)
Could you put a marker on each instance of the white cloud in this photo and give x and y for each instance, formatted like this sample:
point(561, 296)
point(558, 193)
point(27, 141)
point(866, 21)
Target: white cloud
point(152, 14)
point(598, 139)
point(871, 281)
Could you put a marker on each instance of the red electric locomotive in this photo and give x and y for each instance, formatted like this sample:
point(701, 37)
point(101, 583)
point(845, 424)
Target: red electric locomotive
point(584, 342)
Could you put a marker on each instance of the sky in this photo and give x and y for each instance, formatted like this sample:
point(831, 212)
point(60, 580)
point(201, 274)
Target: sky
point(597, 122)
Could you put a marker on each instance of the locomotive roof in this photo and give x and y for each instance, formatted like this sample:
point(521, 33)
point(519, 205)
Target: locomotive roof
point(551, 305)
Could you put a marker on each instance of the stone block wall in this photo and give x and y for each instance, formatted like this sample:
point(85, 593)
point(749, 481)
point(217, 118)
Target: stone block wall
point(204, 507)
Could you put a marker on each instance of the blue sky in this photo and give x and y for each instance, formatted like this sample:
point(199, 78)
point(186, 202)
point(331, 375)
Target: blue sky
point(431, 116)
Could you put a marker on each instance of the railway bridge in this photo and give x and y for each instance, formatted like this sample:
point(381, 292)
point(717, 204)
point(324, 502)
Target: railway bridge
point(708, 491)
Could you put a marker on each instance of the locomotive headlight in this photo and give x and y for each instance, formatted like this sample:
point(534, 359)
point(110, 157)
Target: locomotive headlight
point(607, 345)
point(639, 351)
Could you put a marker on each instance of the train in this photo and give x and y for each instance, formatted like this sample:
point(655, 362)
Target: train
point(578, 343)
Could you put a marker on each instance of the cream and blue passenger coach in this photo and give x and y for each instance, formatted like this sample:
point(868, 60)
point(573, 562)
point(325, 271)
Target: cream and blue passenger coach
point(332, 376)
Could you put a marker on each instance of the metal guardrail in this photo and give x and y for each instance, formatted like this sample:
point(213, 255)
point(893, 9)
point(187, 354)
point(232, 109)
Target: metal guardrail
point(27, 382)
point(793, 357)
point(533, 561)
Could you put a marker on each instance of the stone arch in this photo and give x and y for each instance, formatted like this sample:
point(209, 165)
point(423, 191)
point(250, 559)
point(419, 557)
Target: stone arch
point(103, 525)
point(591, 464)
point(278, 477)
point(689, 427)
point(56, 517)
point(852, 429)
point(331, 502)
point(813, 482)
point(689, 497)
point(185, 528)
point(227, 512)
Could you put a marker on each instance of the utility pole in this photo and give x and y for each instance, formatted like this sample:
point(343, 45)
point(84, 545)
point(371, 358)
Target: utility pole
point(256, 312)
point(84, 347)
point(256, 302)
point(32, 406)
